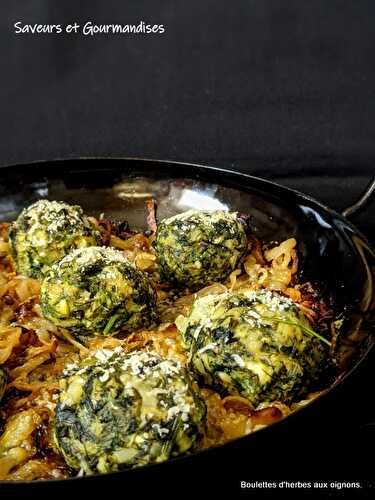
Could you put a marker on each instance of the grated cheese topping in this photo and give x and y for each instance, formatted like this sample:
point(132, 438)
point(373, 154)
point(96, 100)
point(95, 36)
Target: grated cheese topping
point(144, 367)
point(85, 257)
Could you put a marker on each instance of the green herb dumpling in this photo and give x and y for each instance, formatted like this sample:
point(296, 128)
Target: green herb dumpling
point(119, 411)
point(45, 232)
point(257, 344)
point(3, 382)
point(196, 248)
point(97, 291)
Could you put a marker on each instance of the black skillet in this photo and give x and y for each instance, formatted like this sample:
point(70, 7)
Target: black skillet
point(333, 254)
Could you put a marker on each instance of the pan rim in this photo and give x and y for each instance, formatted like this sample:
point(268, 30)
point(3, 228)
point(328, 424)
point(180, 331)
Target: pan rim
point(202, 166)
point(233, 174)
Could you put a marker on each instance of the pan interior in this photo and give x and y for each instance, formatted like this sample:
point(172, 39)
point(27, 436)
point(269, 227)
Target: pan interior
point(332, 253)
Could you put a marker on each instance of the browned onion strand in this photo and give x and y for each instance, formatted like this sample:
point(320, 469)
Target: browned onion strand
point(34, 351)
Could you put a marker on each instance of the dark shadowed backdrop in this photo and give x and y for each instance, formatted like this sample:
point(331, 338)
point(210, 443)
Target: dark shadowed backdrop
point(271, 87)
point(280, 89)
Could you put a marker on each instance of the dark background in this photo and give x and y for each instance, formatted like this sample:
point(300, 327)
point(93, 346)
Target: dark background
point(280, 89)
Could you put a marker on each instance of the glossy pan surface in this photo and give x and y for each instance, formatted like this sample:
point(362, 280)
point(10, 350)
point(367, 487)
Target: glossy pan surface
point(332, 252)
